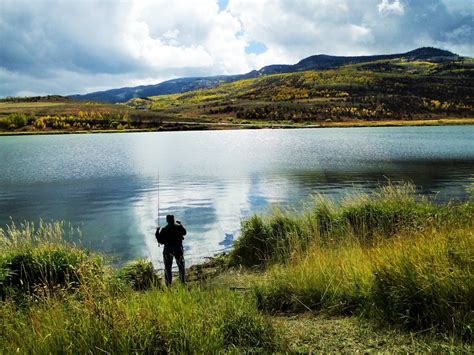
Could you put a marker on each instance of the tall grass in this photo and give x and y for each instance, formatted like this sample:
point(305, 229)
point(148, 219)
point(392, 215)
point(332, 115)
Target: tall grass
point(389, 210)
point(58, 298)
point(40, 259)
point(390, 256)
point(423, 281)
point(428, 281)
point(175, 320)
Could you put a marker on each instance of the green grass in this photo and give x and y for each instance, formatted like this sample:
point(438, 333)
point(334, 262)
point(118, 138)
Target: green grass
point(364, 218)
point(388, 272)
point(40, 260)
point(28, 105)
point(176, 320)
point(319, 333)
point(139, 274)
point(416, 282)
point(56, 297)
point(389, 256)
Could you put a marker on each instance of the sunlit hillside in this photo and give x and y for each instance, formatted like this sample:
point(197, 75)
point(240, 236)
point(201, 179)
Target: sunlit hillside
point(378, 90)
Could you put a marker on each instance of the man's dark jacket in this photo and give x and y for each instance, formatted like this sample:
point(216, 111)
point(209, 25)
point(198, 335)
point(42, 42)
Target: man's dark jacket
point(171, 234)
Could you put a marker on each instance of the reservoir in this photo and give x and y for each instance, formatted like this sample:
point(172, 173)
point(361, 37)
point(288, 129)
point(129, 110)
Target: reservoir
point(110, 185)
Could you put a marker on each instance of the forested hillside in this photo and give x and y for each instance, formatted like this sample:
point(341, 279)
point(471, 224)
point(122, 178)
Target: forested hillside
point(315, 62)
point(398, 88)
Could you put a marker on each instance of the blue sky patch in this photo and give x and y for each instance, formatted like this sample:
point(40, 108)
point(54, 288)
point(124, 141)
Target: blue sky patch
point(223, 4)
point(255, 47)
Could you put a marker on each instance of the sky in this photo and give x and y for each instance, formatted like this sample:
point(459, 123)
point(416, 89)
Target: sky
point(80, 46)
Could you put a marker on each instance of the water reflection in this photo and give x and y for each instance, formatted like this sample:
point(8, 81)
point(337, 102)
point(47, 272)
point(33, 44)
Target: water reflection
point(108, 184)
point(213, 216)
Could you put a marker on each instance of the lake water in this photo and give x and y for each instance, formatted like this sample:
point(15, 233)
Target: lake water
point(108, 183)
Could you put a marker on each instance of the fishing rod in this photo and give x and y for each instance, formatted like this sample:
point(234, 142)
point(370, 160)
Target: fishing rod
point(158, 200)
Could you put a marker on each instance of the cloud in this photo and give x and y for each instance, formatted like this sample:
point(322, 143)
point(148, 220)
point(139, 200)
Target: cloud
point(292, 30)
point(75, 47)
point(386, 7)
point(97, 41)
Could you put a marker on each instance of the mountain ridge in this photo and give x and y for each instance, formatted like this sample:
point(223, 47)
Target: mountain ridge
point(314, 62)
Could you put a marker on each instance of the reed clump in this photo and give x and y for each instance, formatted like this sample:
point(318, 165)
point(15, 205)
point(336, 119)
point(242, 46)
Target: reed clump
point(139, 275)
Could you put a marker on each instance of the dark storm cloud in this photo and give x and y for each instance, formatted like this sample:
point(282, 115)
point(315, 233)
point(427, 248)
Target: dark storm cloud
point(40, 37)
point(427, 22)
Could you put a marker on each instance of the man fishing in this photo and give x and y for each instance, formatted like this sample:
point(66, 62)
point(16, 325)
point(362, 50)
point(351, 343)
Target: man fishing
point(171, 236)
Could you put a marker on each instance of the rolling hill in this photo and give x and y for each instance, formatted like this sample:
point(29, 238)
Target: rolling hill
point(422, 84)
point(316, 62)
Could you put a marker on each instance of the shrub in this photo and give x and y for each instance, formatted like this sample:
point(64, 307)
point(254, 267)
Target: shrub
point(15, 120)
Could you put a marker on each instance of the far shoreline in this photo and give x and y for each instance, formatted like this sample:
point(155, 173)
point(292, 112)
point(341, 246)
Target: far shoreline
point(219, 126)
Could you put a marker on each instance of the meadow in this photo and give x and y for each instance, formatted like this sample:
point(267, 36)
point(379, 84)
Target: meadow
point(390, 271)
point(58, 114)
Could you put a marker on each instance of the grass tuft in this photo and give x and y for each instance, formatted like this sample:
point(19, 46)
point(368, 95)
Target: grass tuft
point(39, 260)
point(139, 275)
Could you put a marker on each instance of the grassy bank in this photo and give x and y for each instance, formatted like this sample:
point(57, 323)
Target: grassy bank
point(323, 279)
point(390, 257)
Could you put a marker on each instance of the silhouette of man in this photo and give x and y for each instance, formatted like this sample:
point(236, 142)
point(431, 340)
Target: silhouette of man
point(172, 236)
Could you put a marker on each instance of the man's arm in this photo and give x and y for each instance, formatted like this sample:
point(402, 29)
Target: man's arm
point(159, 234)
point(183, 231)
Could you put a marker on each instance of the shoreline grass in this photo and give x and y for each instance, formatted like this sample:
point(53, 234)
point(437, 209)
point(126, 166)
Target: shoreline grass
point(56, 297)
point(193, 126)
point(387, 256)
point(335, 277)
